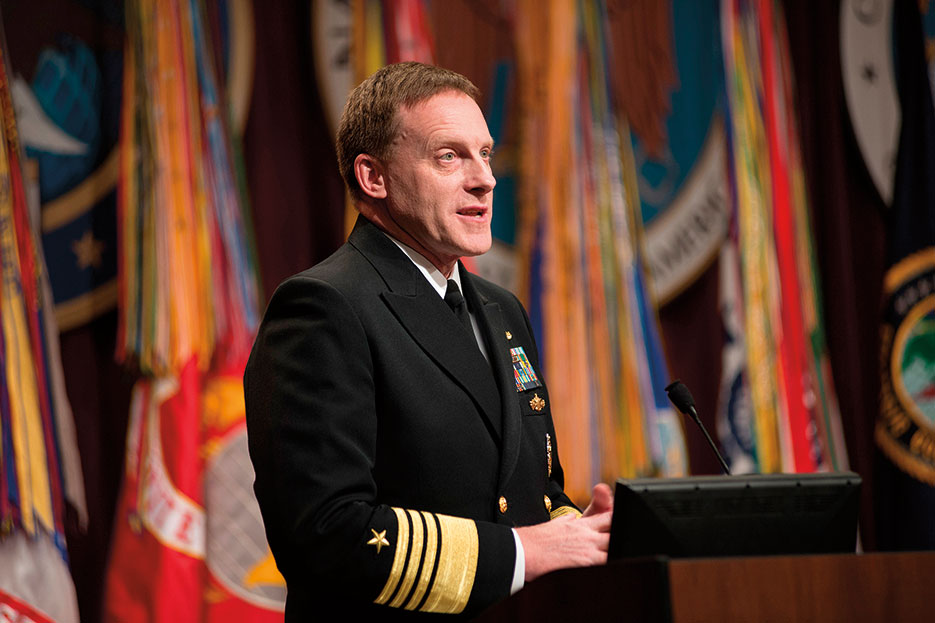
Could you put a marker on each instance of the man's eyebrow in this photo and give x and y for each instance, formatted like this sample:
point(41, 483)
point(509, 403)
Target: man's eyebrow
point(441, 141)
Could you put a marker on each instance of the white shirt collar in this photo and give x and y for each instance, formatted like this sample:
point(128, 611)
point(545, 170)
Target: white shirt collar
point(438, 281)
point(428, 269)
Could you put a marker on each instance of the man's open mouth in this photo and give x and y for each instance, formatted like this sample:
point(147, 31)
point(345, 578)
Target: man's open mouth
point(474, 212)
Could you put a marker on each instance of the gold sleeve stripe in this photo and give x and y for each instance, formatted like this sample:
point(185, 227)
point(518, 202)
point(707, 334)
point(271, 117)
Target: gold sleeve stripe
point(457, 564)
point(564, 510)
point(428, 564)
point(399, 558)
point(415, 559)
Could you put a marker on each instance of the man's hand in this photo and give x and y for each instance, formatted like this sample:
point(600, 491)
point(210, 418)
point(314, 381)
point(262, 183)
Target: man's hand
point(570, 541)
point(602, 500)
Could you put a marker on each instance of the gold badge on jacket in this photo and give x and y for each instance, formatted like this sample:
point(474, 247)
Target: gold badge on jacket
point(548, 452)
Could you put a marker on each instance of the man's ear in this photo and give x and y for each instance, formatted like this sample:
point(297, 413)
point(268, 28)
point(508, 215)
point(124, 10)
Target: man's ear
point(370, 176)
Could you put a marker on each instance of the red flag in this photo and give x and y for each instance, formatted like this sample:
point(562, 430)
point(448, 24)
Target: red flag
point(243, 582)
point(156, 570)
point(189, 543)
point(792, 348)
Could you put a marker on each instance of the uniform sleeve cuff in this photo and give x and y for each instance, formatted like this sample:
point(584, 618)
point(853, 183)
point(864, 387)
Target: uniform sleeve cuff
point(519, 567)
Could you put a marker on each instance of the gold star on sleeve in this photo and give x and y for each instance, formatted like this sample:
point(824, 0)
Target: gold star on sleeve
point(378, 540)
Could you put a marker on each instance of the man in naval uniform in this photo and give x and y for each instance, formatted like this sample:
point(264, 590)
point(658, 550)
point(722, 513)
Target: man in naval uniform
point(400, 428)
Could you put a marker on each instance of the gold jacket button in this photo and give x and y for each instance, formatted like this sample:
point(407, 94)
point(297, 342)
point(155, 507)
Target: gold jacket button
point(548, 503)
point(502, 503)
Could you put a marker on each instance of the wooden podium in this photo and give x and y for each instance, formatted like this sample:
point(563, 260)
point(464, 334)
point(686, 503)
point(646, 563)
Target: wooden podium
point(835, 587)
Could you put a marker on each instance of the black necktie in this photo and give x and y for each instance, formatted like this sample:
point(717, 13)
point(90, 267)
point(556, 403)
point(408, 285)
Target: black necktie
point(458, 305)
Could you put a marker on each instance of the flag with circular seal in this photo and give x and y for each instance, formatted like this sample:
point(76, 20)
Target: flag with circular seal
point(905, 430)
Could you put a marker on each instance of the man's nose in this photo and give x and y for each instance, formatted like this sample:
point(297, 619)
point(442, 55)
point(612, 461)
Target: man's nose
point(480, 179)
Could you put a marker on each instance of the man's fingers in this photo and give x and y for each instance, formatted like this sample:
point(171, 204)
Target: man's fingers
point(603, 543)
point(598, 545)
point(600, 523)
point(600, 537)
point(602, 500)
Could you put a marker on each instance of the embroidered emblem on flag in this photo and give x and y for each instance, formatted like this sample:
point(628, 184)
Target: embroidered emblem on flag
point(523, 373)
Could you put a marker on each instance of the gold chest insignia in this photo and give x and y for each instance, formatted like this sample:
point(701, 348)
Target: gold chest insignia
point(537, 404)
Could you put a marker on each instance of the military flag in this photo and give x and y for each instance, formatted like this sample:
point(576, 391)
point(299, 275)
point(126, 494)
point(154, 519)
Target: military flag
point(189, 543)
point(905, 430)
point(779, 411)
point(580, 255)
point(36, 431)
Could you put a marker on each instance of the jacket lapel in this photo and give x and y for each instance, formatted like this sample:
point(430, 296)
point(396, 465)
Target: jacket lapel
point(430, 321)
point(490, 318)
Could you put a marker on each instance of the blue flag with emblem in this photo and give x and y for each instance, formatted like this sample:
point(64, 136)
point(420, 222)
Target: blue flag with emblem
point(905, 430)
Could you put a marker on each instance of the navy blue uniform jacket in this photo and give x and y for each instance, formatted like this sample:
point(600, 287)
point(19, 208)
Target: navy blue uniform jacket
point(391, 457)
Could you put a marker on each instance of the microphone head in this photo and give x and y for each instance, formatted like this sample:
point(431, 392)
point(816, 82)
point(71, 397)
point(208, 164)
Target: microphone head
point(680, 396)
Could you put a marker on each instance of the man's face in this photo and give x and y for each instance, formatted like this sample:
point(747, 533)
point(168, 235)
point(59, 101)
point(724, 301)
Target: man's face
point(439, 187)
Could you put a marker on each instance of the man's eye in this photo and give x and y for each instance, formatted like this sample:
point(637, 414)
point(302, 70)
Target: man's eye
point(486, 153)
point(448, 157)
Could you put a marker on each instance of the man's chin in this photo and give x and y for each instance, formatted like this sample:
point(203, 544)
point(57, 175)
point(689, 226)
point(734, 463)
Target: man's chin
point(475, 250)
point(475, 245)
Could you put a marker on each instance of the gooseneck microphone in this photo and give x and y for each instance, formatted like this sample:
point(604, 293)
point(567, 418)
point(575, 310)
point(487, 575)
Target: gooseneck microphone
point(683, 401)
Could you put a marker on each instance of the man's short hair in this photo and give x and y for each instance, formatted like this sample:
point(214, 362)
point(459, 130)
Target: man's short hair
point(369, 123)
